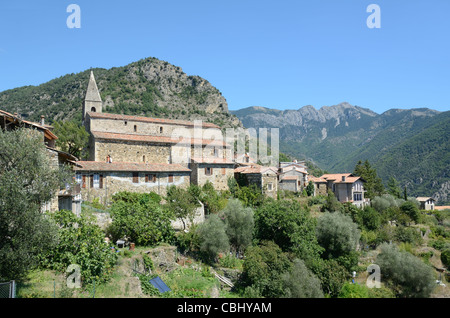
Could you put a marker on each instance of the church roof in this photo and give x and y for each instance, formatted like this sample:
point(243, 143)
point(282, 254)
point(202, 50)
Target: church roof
point(155, 139)
point(128, 166)
point(151, 120)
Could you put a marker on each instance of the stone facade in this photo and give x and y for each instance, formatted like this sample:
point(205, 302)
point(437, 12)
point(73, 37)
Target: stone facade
point(111, 182)
point(216, 173)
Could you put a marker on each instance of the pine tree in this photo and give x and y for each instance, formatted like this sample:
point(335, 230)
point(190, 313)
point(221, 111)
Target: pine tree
point(373, 183)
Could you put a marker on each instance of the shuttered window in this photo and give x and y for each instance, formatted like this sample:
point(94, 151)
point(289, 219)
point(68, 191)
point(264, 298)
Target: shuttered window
point(170, 178)
point(208, 171)
point(83, 183)
point(92, 181)
point(101, 182)
point(150, 178)
point(135, 177)
point(223, 171)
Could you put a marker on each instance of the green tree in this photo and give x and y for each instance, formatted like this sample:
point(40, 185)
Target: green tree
point(331, 274)
point(337, 234)
point(239, 223)
point(263, 269)
point(213, 237)
point(373, 184)
point(394, 187)
point(81, 242)
point(411, 210)
point(371, 219)
point(332, 204)
point(182, 203)
point(289, 226)
point(141, 219)
point(310, 188)
point(407, 273)
point(27, 180)
point(72, 138)
point(300, 282)
point(354, 291)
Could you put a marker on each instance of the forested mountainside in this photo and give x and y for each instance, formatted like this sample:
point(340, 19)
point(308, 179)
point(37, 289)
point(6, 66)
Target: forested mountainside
point(411, 145)
point(149, 87)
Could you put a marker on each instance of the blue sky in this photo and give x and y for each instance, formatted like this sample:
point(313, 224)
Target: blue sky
point(277, 54)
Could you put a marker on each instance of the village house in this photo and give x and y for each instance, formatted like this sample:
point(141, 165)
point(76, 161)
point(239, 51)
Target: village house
point(320, 185)
point(347, 188)
point(426, 203)
point(292, 176)
point(265, 178)
point(103, 179)
point(68, 197)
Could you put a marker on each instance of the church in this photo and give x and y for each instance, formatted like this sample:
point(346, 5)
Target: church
point(142, 154)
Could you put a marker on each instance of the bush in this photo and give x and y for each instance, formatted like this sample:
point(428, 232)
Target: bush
point(407, 273)
point(337, 233)
point(300, 282)
point(239, 224)
point(354, 291)
point(407, 235)
point(445, 257)
point(331, 274)
point(213, 238)
point(81, 242)
point(141, 220)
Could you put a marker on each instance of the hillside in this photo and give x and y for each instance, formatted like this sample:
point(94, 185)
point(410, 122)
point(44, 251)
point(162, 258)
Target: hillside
point(149, 87)
point(411, 145)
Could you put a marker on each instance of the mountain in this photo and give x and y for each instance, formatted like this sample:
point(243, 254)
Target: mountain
point(411, 145)
point(149, 87)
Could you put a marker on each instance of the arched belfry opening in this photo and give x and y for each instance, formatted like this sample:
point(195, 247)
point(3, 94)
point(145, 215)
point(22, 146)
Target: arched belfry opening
point(93, 109)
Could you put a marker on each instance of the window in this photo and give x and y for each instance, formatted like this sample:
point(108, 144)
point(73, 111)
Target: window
point(93, 109)
point(270, 186)
point(143, 158)
point(83, 182)
point(135, 177)
point(150, 178)
point(125, 122)
point(135, 128)
point(96, 180)
point(170, 178)
point(208, 171)
point(216, 152)
point(357, 197)
point(223, 171)
point(78, 178)
point(160, 130)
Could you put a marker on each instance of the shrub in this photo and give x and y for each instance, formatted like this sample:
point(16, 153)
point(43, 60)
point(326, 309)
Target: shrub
point(337, 234)
point(354, 291)
point(213, 238)
point(445, 257)
point(407, 273)
point(300, 282)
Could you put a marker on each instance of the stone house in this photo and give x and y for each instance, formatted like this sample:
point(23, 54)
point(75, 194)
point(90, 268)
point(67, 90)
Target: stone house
point(347, 188)
point(320, 185)
point(215, 170)
point(426, 203)
point(265, 178)
point(66, 198)
point(102, 179)
point(292, 177)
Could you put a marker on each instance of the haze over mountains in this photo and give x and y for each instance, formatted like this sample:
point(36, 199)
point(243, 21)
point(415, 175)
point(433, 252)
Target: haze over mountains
point(411, 145)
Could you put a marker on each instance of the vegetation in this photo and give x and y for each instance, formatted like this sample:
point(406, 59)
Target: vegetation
point(72, 138)
point(24, 231)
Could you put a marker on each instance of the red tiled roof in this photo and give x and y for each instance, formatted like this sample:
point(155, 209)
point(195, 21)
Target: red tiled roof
point(289, 178)
point(128, 166)
point(155, 139)
point(149, 120)
point(45, 128)
point(316, 179)
point(337, 177)
point(254, 169)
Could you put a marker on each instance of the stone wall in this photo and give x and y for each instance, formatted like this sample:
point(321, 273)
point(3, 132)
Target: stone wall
point(219, 176)
point(270, 179)
point(114, 182)
point(320, 188)
point(130, 151)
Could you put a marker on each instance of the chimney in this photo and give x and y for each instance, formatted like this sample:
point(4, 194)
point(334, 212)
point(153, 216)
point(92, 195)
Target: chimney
point(42, 120)
point(343, 178)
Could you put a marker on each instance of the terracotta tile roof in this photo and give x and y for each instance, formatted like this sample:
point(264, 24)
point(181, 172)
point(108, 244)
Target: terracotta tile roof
point(128, 166)
point(212, 160)
point(316, 179)
point(254, 169)
point(423, 199)
point(289, 178)
point(45, 128)
point(149, 120)
point(154, 139)
point(337, 177)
